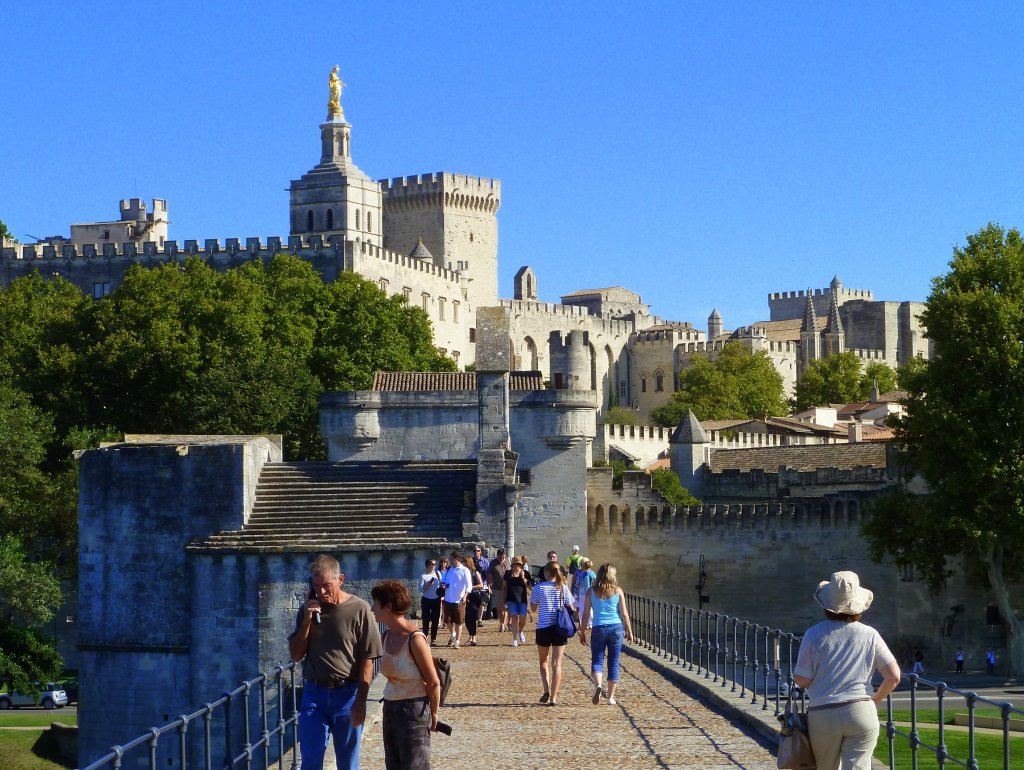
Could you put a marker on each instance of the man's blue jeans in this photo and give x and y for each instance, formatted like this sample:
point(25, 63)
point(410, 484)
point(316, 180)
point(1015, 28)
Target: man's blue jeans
point(324, 712)
point(606, 638)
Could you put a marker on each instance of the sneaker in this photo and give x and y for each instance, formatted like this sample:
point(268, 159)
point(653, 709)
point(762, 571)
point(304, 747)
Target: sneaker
point(522, 638)
point(451, 641)
point(515, 642)
point(611, 701)
point(457, 644)
point(597, 696)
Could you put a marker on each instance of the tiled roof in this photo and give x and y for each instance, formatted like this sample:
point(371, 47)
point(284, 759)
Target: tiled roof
point(802, 458)
point(893, 395)
point(417, 381)
point(874, 433)
point(588, 292)
point(661, 464)
point(723, 424)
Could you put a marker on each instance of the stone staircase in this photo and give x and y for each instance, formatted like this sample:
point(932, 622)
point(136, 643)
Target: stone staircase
point(339, 506)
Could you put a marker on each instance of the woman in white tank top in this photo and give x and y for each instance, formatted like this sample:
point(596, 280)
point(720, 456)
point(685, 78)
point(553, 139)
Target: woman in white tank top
point(413, 691)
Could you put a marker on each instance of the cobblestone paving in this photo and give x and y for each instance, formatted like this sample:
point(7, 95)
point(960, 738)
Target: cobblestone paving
point(497, 720)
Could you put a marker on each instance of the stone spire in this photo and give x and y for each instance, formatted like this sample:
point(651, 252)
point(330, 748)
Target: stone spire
point(420, 251)
point(810, 323)
point(688, 453)
point(810, 341)
point(833, 339)
point(714, 325)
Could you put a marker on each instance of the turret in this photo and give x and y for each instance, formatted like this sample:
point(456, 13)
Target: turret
point(687, 448)
point(714, 325)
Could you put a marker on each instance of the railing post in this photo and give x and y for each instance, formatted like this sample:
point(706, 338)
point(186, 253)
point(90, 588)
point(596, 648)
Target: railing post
point(228, 758)
point(941, 753)
point(295, 723)
point(972, 758)
point(153, 739)
point(183, 743)
point(746, 660)
point(207, 737)
point(767, 664)
point(247, 737)
point(718, 648)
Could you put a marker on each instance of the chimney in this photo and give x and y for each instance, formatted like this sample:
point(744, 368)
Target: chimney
point(856, 432)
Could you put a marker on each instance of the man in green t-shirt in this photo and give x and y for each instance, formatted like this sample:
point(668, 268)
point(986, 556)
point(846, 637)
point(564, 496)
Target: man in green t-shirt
point(337, 640)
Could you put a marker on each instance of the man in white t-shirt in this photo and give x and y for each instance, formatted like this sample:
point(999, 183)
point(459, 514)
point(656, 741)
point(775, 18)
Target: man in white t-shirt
point(458, 582)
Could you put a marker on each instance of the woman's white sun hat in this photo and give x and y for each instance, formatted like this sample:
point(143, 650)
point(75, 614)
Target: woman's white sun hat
point(844, 594)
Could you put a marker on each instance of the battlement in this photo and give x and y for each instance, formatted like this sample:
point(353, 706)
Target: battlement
point(869, 355)
point(782, 346)
point(841, 294)
point(442, 188)
point(670, 337)
point(656, 517)
point(594, 323)
point(654, 433)
point(731, 439)
point(706, 346)
point(135, 208)
point(21, 257)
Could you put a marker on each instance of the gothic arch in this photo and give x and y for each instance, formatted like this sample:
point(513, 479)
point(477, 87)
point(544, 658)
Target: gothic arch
point(627, 520)
point(613, 518)
point(593, 366)
point(330, 219)
point(599, 522)
point(530, 358)
point(609, 383)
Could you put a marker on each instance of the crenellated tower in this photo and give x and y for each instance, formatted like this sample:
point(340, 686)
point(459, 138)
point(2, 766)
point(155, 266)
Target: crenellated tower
point(456, 218)
point(335, 198)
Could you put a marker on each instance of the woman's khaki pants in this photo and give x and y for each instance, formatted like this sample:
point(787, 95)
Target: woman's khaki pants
point(844, 736)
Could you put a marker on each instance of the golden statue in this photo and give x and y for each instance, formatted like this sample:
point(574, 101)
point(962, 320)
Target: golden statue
point(334, 103)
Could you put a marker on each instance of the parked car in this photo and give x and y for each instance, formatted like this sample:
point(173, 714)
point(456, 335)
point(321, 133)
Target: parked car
point(50, 696)
point(70, 687)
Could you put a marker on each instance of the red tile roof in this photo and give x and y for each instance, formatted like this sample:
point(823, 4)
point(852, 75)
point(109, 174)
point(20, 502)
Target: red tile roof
point(419, 381)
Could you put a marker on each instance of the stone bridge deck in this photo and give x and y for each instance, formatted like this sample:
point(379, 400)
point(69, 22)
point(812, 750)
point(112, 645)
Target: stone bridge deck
point(497, 720)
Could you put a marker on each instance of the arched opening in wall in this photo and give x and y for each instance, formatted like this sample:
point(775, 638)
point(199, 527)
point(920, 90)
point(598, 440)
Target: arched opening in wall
point(357, 219)
point(599, 517)
point(529, 286)
point(627, 525)
point(641, 516)
point(330, 219)
point(666, 516)
point(593, 366)
point(309, 221)
point(643, 384)
point(659, 381)
point(825, 515)
point(840, 512)
point(609, 373)
point(613, 518)
point(369, 221)
point(529, 358)
point(853, 512)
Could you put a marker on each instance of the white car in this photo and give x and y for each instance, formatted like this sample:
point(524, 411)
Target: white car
point(50, 696)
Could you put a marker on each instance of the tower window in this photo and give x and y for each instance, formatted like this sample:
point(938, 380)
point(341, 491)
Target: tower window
point(659, 382)
point(357, 219)
point(309, 221)
point(643, 384)
point(407, 293)
point(330, 219)
point(369, 221)
point(384, 285)
point(440, 308)
point(426, 300)
point(455, 311)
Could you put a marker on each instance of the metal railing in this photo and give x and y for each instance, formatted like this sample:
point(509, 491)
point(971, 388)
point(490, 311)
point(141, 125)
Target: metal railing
point(750, 659)
point(757, 661)
point(230, 744)
point(225, 744)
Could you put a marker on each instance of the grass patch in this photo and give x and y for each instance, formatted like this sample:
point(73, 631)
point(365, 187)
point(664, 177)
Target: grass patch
point(987, 748)
point(37, 718)
point(17, 751)
point(931, 716)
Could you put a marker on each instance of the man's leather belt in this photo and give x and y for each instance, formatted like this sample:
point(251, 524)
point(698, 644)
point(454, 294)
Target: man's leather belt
point(331, 684)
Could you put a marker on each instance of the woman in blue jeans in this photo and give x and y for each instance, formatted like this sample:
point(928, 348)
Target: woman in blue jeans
point(606, 605)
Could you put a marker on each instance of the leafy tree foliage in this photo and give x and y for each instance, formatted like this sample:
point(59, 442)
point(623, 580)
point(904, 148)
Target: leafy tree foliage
point(620, 415)
point(736, 384)
point(667, 483)
point(839, 379)
point(29, 588)
point(4, 232)
point(961, 434)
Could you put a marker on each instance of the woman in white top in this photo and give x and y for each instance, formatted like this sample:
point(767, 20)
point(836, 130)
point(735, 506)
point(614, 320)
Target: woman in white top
point(835, 664)
point(413, 691)
point(546, 599)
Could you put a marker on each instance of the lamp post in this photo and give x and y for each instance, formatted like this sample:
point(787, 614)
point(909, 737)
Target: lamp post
point(702, 579)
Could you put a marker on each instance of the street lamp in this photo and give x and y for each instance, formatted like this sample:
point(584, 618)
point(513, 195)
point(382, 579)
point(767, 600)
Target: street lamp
point(702, 579)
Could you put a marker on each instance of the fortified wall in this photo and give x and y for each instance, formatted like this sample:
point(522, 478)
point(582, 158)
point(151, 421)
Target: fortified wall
point(97, 269)
point(790, 305)
point(763, 563)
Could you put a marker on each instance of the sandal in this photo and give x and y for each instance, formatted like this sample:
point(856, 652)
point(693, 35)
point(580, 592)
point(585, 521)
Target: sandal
point(544, 698)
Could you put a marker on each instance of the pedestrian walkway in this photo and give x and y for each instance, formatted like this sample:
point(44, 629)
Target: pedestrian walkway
point(498, 721)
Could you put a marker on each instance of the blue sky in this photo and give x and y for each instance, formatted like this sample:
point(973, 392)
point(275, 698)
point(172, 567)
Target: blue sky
point(702, 155)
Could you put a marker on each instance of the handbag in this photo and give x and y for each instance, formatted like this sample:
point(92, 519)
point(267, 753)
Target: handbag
point(795, 752)
point(566, 620)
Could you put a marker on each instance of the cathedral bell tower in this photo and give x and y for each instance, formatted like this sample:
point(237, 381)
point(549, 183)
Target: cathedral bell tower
point(335, 198)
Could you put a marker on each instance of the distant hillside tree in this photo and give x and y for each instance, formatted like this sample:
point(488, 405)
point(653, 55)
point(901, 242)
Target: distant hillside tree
point(737, 384)
point(961, 433)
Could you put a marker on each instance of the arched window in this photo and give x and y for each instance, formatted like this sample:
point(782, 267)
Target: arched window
point(659, 382)
point(643, 384)
point(330, 219)
point(357, 219)
point(369, 221)
point(309, 221)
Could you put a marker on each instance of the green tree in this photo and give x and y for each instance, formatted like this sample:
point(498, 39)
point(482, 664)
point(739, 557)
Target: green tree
point(667, 483)
point(620, 415)
point(737, 384)
point(833, 380)
point(877, 373)
point(5, 233)
point(961, 433)
point(29, 589)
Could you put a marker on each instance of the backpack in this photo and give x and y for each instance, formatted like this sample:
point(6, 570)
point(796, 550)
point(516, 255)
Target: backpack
point(574, 563)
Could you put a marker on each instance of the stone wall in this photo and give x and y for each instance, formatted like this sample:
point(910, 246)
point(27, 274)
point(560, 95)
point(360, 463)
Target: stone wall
point(140, 504)
point(764, 563)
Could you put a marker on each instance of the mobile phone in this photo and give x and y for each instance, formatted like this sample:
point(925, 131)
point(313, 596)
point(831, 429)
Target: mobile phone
point(444, 728)
point(316, 615)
